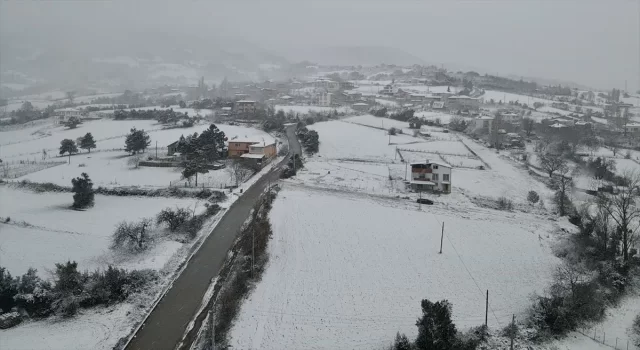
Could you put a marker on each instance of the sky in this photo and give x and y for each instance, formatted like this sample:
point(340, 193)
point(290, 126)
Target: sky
point(591, 42)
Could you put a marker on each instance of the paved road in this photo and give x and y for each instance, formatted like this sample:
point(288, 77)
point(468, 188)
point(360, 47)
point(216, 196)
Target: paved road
point(294, 145)
point(167, 323)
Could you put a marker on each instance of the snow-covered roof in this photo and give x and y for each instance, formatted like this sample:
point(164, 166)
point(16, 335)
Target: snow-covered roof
point(252, 156)
point(226, 108)
point(286, 97)
point(557, 126)
point(244, 141)
point(421, 182)
point(485, 117)
point(246, 101)
point(431, 163)
point(360, 104)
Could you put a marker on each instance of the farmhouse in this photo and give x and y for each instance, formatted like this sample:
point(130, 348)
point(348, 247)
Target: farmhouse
point(329, 85)
point(324, 99)
point(244, 107)
point(430, 176)
point(483, 122)
point(463, 102)
point(632, 128)
point(513, 118)
point(241, 147)
point(260, 151)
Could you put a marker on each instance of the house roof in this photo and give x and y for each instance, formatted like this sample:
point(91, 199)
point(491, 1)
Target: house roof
point(421, 182)
point(226, 108)
point(360, 104)
point(252, 156)
point(246, 101)
point(243, 141)
point(432, 163)
point(557, 126)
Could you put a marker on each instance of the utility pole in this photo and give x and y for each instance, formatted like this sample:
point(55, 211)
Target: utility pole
point(441, 237)
point(513, 330)
point(156, 150)
point(486, 312)
point(405, 171)
point(253, 250)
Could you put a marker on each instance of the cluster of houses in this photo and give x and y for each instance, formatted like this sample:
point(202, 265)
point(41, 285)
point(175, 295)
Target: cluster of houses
point(436, 100)
point(254, 152)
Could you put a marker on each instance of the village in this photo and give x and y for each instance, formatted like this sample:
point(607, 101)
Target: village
point(386, 185)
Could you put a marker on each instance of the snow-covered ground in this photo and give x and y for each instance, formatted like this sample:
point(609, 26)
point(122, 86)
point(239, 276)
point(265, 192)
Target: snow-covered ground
point(347, 280)
point(109, 134)
point(331, 265)
point(54, 233)
point(111, 169)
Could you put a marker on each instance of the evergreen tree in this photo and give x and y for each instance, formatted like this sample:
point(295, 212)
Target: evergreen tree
point(137, 140)
point(68, 146)
point(401, 342)
point(87, 142)
point(436, 331)
point(213, 143)
point(83, 191)
point(194, 167)
point(72, 123)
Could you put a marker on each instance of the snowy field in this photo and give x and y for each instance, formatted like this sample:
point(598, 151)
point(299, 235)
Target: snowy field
point(341, 140)
point(84, 236)
point(506, 97)
point(111, 169)
point(109, 134)
point(344, 280)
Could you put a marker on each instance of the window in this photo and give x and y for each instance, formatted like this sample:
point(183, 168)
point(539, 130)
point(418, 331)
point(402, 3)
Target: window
point(434, 177)
point(237, 145)
point(445, 177)
point(435, 167)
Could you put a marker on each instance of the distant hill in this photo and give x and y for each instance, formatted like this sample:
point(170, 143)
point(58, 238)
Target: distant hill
point(138, 61)
point(359, 55)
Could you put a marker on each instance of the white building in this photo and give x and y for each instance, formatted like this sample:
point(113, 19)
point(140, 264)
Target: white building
point(483, 122)
point(431, 176)
point(513, 118)
point(324, 99)
point(329, 85)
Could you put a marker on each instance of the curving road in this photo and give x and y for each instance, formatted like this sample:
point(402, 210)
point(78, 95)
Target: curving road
point(167, 322)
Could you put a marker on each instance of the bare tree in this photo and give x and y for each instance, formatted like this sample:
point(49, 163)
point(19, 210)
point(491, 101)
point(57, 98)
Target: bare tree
point(527, 125)
point(552, 162)
point(622, 208)
point(239, 171)
point(71, 95)
point(569, 277)
point(565, 186)
point(132, 235)
point(134, 160)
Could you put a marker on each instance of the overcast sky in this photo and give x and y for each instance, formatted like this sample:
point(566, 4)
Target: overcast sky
point(588, 41)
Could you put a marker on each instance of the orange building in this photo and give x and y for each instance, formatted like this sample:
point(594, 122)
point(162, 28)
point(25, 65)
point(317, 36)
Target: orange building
point(238, 148)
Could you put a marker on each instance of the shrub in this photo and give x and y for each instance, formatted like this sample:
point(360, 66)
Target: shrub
point(393, 131)
point(132, 235)
point(8, 290)
point(173, 218)
point(504, 203)
point(533, 197)
point(193, 225)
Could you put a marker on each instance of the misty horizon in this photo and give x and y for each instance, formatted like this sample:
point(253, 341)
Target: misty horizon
point(569, 40)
